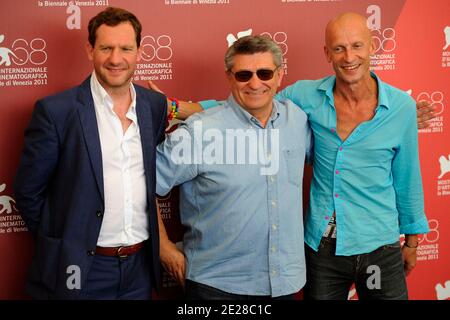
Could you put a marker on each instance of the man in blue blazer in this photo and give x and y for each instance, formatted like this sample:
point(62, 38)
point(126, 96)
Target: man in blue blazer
point(86, 182)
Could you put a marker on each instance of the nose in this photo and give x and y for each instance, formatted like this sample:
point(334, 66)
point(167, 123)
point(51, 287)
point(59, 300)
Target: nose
point(115, 57)
point(254, 82)
point(349, 55)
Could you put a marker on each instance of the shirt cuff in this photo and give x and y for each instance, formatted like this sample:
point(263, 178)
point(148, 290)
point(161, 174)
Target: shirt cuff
point(206, 104)
point(418, 227)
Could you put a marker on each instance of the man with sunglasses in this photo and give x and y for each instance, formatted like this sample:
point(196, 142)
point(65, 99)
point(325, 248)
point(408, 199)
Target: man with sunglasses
point(366, 187)
point(240, 167)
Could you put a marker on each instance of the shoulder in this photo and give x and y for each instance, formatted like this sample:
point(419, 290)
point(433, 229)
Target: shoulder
point(292, 110)
point(62, 104)
point(396, 93)
point(60, 98)
point(212, 118)
point(151, 100)
point(397, 99)
point(308, 94)
point(152, 95)
point(309, 86)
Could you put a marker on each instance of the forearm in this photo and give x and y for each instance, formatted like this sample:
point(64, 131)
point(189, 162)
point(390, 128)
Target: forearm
point(172, 259)
point(29, 208)
point(163, 237)
point(185, 109)
point(408, 182)
point(409, 252)
point(37, 164)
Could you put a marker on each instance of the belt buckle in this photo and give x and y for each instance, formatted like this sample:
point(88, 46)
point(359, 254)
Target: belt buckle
point(120, 255)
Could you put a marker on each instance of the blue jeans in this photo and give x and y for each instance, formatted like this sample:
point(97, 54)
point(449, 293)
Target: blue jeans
point(199, 291)
point(377, 275)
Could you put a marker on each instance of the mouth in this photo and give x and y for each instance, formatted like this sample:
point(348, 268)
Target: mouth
point(115, 70)
point(255, 93)
point(350, 67)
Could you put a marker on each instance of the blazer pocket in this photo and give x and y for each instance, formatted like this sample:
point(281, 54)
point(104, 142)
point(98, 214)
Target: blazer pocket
point(47, 253)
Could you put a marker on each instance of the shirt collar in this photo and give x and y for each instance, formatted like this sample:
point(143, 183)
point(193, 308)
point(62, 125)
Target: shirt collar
point(100, 95)
point(382, 95)
point(330, 82)
point(245, 116)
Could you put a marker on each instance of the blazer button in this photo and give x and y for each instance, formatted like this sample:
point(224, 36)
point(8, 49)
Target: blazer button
point(99, 213)
point(91, 252)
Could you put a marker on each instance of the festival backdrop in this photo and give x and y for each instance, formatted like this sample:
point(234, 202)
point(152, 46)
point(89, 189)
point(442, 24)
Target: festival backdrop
point(42, 52)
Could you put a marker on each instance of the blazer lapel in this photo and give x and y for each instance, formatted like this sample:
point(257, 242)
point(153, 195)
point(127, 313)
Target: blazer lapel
point(146, 131)
point(88, 121)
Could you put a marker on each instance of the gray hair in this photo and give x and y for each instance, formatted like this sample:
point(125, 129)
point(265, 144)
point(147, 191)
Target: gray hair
point(252, 45)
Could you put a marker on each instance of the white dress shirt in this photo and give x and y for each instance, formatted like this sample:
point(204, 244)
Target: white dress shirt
point(125, 220)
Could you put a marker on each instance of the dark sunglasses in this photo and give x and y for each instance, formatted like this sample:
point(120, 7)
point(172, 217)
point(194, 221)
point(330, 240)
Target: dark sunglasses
point(246, 75)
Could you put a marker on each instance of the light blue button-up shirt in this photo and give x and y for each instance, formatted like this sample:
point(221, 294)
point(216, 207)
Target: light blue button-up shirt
point(244, 229)
point(372, 179)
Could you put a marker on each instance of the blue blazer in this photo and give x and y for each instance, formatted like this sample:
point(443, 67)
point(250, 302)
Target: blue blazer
point(59, 185)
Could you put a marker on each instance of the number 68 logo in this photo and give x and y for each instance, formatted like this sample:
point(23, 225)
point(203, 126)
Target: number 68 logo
point(280, 38)
point(32, 52)
point(156, 48)
point(436, 98)
point(384, 40)
point(433, 235)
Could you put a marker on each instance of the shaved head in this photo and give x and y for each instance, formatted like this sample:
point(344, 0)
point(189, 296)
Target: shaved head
point(347, 21)
point(348, 47)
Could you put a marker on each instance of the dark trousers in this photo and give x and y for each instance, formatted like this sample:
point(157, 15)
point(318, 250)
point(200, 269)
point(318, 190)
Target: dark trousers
point(199, 291)
point(376, 275)
point(113, 278)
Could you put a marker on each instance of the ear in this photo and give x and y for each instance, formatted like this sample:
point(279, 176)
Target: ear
point(139, 54)
point(229, 75)
point(372, 47)
point(89, 51)
point(280, 72)
point(327, 53)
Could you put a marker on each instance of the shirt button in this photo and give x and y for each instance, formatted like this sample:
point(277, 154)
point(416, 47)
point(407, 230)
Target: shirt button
point(337, 171)
point(274, 249)
point(332, 130)
point(274, 204)
point(272, 179)
point(274, 227)
point(340, 149)
point(336, 195)
point(327, 217)
point(99, 213)
point(91, 252)
point(269, 156)
point(274, 272)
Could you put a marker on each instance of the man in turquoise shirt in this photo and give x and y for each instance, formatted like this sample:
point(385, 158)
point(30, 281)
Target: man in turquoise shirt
point(366, 187)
